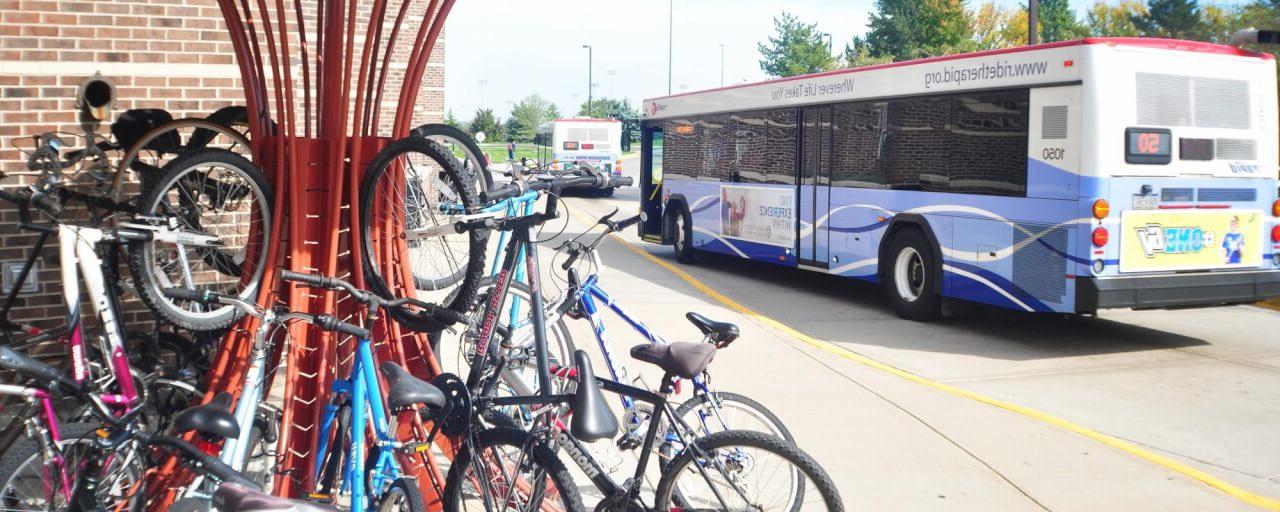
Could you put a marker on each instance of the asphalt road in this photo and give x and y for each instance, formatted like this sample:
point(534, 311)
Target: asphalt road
point(1192, 392)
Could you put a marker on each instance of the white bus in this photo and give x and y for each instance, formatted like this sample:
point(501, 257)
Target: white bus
point(594, 141)
point(1063, 177)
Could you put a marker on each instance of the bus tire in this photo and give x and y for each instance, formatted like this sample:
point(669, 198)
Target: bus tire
point(682, 231)
point(911, 279)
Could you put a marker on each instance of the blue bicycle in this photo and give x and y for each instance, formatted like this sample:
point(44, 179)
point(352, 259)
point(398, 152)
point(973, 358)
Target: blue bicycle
point(373, 480)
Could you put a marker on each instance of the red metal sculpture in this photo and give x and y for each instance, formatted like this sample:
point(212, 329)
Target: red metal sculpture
point(314, 121)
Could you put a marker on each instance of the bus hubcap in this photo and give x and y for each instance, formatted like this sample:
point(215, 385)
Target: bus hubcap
point(680, 241)
point(909, 274)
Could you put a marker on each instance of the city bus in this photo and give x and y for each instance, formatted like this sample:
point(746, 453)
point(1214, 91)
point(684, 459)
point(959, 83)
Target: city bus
point(584, 139)
point(1065, 177)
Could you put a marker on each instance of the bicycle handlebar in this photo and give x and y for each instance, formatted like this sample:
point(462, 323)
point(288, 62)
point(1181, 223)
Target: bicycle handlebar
point(211, 464)
point(517, 189)
point(329, 323)
point(431, 311)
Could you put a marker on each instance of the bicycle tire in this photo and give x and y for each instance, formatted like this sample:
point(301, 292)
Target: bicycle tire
point(143, 255)
point(561, 336)
point(404, 492)
point(147, 174)
point(462, 282)
point(788, 452)
point(541, 456)
point(451, 135)
point(703, 400)
point(27, 451)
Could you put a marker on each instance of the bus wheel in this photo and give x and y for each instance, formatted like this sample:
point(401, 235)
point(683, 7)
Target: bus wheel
point(682, 228)
point(910, 280)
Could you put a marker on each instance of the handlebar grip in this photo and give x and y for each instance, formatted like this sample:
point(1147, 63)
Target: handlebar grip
point(628, 222)
point(13, 360)
point(568, 262)
point(621, 181)
point(311, 280)
point(211, 464)
point(503, 193)
point(201, 296)
point(329, 323)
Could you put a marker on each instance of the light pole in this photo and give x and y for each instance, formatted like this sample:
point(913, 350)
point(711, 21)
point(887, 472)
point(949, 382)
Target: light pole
point(670, 38)
point(721, 64)
point(589, 52)
point(1033, 19)
point(611, 73)
point(482, 84)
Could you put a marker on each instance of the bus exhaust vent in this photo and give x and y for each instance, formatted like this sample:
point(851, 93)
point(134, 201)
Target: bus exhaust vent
point(1053, 123)
point(1237, 149)
point(1227, 194)
point(1040, 261)
point(1177, 100)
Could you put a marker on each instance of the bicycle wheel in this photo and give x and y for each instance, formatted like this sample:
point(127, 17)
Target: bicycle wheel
point(718, 411)
point(175, 139)
point(214, 192)
point(402, 496)
point(412, 186)
point(464, 148)
point(559, 340)
point(743, 470)
point(512, 478)
point(25, 483)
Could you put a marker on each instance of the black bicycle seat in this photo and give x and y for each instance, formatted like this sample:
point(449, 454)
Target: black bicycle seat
point(592, 418)
point(684, 359)
point(234, 498)
point(407, 390)
point(720, 333)
point(211, 419)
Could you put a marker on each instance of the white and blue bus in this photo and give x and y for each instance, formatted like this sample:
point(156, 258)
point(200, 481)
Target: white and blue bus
point(581, 139)
point(1064, 177)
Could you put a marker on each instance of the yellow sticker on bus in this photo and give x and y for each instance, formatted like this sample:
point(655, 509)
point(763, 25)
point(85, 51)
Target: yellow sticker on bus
point(1161, 240)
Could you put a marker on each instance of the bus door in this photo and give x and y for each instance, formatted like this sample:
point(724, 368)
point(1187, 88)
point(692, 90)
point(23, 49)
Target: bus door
point(814, 186)
point(651, 182)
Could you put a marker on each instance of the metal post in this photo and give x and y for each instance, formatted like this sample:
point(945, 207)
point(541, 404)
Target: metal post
point(671, 5)
point(589, 105)
point(721, 64)
point(482, 84)
point(1033, 21)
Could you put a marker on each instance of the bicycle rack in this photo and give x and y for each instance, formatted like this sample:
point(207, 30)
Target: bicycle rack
point(305, 146)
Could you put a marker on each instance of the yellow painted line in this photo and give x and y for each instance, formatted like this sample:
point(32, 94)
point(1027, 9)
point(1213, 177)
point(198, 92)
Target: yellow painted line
point(1271, 304)
point(1251, 498)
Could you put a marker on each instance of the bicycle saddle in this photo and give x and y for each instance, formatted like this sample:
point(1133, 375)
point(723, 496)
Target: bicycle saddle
point(407, 390)
point(686, 360)
point(592, 419)
point(720, 333)
point(211, 419)
point(235, 498)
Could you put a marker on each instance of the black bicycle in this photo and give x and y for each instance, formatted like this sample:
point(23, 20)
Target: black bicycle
point(501, 467)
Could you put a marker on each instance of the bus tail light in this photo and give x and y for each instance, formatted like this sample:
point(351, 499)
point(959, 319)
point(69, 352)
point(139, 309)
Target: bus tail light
point(1275, 234)
point(588, 145)
point(1275, 208)
point(1100, 236)
point(1101, 208)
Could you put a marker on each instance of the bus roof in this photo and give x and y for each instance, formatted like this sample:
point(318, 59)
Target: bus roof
point(841, 80)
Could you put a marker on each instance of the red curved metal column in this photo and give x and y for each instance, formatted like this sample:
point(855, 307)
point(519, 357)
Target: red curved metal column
point(314, 106)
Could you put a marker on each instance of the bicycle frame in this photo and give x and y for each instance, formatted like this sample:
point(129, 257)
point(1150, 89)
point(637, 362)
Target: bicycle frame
point(363, 390)
point(514, 207)
point(79, 259)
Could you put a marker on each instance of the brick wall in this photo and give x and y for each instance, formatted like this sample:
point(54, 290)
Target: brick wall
point(170, 54)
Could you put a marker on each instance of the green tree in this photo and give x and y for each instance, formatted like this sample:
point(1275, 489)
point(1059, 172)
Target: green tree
point(527, 115)
point(857, 54)
point(909, 29)
point(1115, 20)
point(609, 108)
point(797, 48)
point(484, 121)
point(1058, 22)
point(990, 25)
point(1178, 19)
point(450, 120)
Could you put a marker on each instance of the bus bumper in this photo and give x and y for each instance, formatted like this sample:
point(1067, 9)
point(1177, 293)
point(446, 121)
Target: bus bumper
point(1178, 290)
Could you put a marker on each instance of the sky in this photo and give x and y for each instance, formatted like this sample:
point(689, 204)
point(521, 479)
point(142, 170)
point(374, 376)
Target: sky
point(521, 47)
